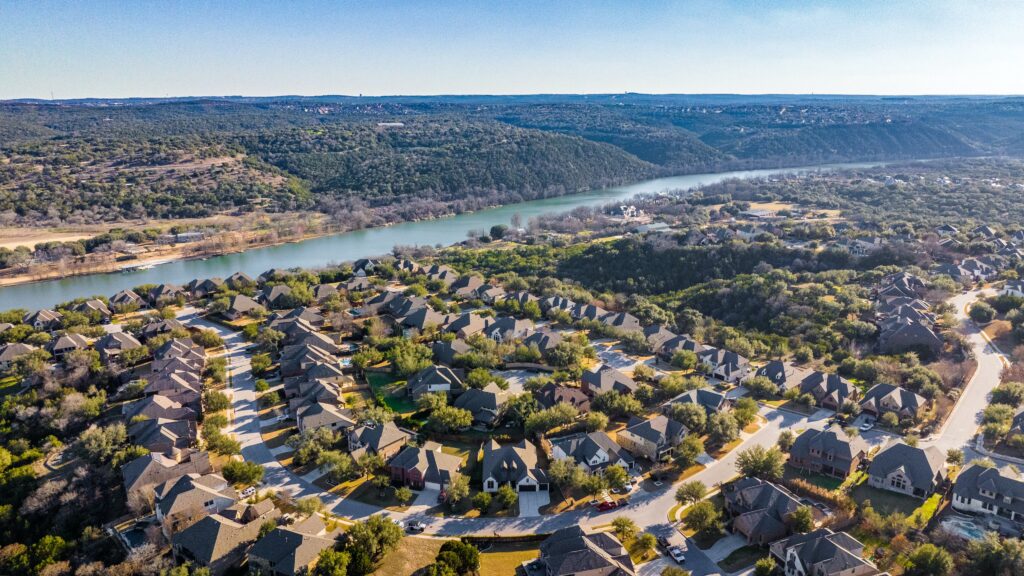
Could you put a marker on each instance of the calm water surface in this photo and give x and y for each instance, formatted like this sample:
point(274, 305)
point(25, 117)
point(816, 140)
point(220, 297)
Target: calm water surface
point(358, 244)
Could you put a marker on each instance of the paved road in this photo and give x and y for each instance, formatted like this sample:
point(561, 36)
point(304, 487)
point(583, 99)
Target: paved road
point(648, 509)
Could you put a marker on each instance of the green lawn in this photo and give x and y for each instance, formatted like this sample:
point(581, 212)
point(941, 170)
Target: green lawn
point(742, 558)
point(819, 480)
point(9, 385)
point(394, 394)
point(885, 502)
point(503, 559)
point(926, 510)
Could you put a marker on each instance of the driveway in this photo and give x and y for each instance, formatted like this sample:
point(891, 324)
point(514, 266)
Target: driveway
point(530, 503)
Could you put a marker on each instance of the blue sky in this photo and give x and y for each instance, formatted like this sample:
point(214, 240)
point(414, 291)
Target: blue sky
point(178, 48)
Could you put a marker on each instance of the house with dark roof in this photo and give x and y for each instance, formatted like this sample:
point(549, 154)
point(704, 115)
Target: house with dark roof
point(95, 308)
point(162, 435)
point(657, 335)
point(882, 398)
point(573, 552)
point(112, 345)
point(158, 326)
point(710, 399)
point(653, 438)
point(829, 390)
point(290, 550)
point(830, 451)
point(434, 379)
point(783, 375)
point(908, 469)
point(182, 501)
point(12, 351)
point(43, 320)
point(445, 352)
point(385, 440)
point(759, 510)
point(143, 473)
point(487, 404)
point(725, 364)
point(551, 394)
point(544, 339)
point(517, 465)
point(241, 305)
point(68, 343)
point(822, 552)
point(987, 490)
point(622, 321)
point(901, 333)
point(127, 299)
point(593, 452)
point(322, 292)
point(604, 379)
point(220, 541)
point(240, 280)
point(508, 329)
point(276, 297)
point(425, 467)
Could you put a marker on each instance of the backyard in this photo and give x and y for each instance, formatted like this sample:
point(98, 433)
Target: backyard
point(393, 391)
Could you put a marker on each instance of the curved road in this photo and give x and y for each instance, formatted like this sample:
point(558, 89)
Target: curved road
point(648, 509)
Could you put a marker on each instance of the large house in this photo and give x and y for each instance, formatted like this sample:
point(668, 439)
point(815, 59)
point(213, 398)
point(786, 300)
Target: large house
point(434, 379)
point(882, 398)
point(517, 465)
point(652, 439)
point(424, 467)
point(290, 550)
point(144, 472)
point(384, 440)
point(593, 452)
point(606, 379)
point(711, 400)
point(759, 510)
point(551, 394)
point(822, 552)
point(573, 552)
point(486, 405)
point(725, 364)
point(830, 451)
point(220, 541)
point(984, 490)
point(908, 470)
point(185, 500)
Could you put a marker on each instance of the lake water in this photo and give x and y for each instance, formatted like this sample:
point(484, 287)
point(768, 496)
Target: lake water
point(358, 244)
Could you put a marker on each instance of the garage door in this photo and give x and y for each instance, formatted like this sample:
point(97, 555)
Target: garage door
point(432, 486)
point(527, 488)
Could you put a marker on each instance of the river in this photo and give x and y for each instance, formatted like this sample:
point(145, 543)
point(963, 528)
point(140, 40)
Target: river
point(357, 244)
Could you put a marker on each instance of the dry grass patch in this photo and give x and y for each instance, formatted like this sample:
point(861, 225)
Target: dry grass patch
point(503, 559)
point(412, 554)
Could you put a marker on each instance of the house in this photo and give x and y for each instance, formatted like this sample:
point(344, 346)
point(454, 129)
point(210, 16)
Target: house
point(323, 292)
point(165, 294)
point(985, 490)
point(830, 451)
point(446, 352)
point(486, 405)
point(126, 299)
point(573, 552)
point(604, 379)
point(593, 452)
point(557, 303)
point(204, 288)
point(947, 230)
point(384, 440)
point(144, 472)
point(241, 305)
point(240, 280)
point(68, 343)
point(725, 364)
point(710, 399)
point(290, 550)
point(759, 510)
point(588, 312)
point(551, 394)
point(324, 415)
point(434, 379)
point(983, 231)
point(155, 407)
point(783, 375)
point(425, 467)
point(657, 335)
point(95, 308)
point(676, 344)
point(517, 465)
point(507, 329)
point(183, 501)
point(1013, 288)
point(159, 326)
point(220, 541)
point(908, 470)
point(882, 398)
point(43, 320)
point(623, 322)
point(822, 552)
point(903, 334)
point(277, 297)
point(467, 324)
point(365, 266)
point(162, 435)
point(651, 439)
point(829, 390)
point(112, 345)
point(466, 286)
point(544, 339)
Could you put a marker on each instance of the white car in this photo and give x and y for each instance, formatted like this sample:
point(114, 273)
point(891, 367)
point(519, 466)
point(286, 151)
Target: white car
point(677, 554)
point(250, 491)
point(867, 426)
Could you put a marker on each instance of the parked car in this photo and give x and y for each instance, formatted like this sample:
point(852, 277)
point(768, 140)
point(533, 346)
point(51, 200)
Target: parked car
point(867, 426)
point(415, 527)
point(250, 491)
point(677, 554)
point(607, 505)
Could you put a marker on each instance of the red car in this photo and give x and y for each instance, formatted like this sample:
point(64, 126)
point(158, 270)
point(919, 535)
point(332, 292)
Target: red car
point(607, 505)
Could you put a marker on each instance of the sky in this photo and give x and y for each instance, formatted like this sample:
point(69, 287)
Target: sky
point(147, 48)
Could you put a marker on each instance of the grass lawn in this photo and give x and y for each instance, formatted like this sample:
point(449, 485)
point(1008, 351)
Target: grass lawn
point(412, 554)
point(9, 385)
point(276, 437)
point(704, 540)
point(926, 510)
point(742, 558)
point(503, 559)
point(721, 452)
point(853, 480)
point(369, 493)
point(883, 501)
point(819, 480)
point(394, 395)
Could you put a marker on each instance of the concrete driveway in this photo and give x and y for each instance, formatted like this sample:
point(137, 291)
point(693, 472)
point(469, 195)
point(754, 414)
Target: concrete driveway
point(530, 503)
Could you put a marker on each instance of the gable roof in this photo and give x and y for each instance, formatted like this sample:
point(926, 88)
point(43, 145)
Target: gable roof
point(571, 551)
point(512, 462)
point(833, 440)
point(433, 465)
point(289, 551)
point(920, 465)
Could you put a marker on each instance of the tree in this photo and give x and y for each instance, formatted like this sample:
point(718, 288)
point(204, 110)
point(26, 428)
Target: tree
point(691, 492)
point(457, 490)
point(595, 421)
point(929, 560)
point(761, 462)
point(548, 419)
point(764, 566)
point(723, 428)
point(507, 496)
point(689, 450)
point(377, 535)
point(432, 401)
point(693, 416)
point(625, 528)
point(761, 387)
point(309, 505)
point(994, 556)
point(337, 465)
point(449, 418)
point(684, 359)
point(982, 312)
point(482, 501)
point(1010, 393)
point(955, 457)
point(566, 473)
point(801, 520)
point(260, 364)
point(890, 420)
point(241, 472)
point(786, 439)
point(703, 517)
point(616, 476)
point(644, 543)
point(463, 557)
point(674, 571)
point(266, 528)
point(331, 562)
point(403, 495)
point(745, 411)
